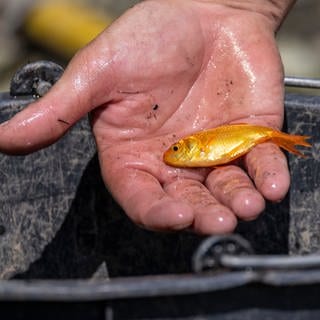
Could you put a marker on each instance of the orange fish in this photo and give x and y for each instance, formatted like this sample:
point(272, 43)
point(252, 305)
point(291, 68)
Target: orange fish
point(223, 144)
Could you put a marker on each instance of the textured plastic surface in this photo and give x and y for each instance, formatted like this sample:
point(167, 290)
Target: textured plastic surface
point(303, 117)
point(35, 78)
point(36, 193)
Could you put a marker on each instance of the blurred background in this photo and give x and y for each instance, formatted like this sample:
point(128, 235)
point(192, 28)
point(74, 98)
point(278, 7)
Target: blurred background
point(32, 30)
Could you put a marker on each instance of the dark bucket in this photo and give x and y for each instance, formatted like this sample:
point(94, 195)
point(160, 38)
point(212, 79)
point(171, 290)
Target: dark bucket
point(68, 250)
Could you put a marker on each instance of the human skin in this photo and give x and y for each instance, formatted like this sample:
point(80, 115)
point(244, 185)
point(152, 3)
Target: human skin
point(166, 69)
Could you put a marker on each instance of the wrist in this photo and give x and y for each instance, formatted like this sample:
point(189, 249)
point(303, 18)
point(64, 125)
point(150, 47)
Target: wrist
point(274, 10)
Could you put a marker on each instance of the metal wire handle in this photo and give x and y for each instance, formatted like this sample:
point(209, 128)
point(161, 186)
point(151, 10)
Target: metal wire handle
point(301, 82)
point(234, 252)
point(270, 262)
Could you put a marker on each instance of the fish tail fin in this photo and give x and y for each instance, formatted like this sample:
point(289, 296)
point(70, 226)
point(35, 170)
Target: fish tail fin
point(288, 142)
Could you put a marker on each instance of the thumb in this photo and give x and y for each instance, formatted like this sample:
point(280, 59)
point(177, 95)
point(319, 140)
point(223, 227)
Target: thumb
point(47, 119)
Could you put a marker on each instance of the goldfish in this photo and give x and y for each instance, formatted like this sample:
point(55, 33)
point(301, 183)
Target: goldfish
point(221, 145)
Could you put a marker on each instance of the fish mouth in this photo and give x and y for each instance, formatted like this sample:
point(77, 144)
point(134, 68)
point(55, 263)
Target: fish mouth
point(171, 160)
point(167, 158)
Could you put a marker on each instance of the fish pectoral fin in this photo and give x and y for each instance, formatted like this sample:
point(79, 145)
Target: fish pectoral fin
point(241, 149)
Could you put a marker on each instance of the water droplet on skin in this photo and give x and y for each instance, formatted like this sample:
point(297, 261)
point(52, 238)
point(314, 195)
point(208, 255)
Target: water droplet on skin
point(220, 219)
point(180, 216)
point(241, 55)
point(274, 186)
point(32, 118)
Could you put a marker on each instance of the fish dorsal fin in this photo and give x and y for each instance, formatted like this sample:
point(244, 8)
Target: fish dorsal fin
point(245, 124)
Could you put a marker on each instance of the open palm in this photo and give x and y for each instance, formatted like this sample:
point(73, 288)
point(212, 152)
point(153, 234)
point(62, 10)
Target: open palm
point(163, 70)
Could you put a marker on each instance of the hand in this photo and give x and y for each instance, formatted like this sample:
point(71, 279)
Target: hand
point(164, 70)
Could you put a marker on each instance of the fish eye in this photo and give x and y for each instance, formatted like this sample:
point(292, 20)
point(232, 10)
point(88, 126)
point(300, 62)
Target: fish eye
point(175, 148)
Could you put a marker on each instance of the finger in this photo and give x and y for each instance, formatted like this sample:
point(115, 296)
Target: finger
point(267, 166)
point(144, 200)
point(47, 119)
point(233, 188)
point(210, 216)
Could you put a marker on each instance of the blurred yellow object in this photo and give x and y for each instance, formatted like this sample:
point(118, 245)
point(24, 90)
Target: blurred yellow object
point(64, 26)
